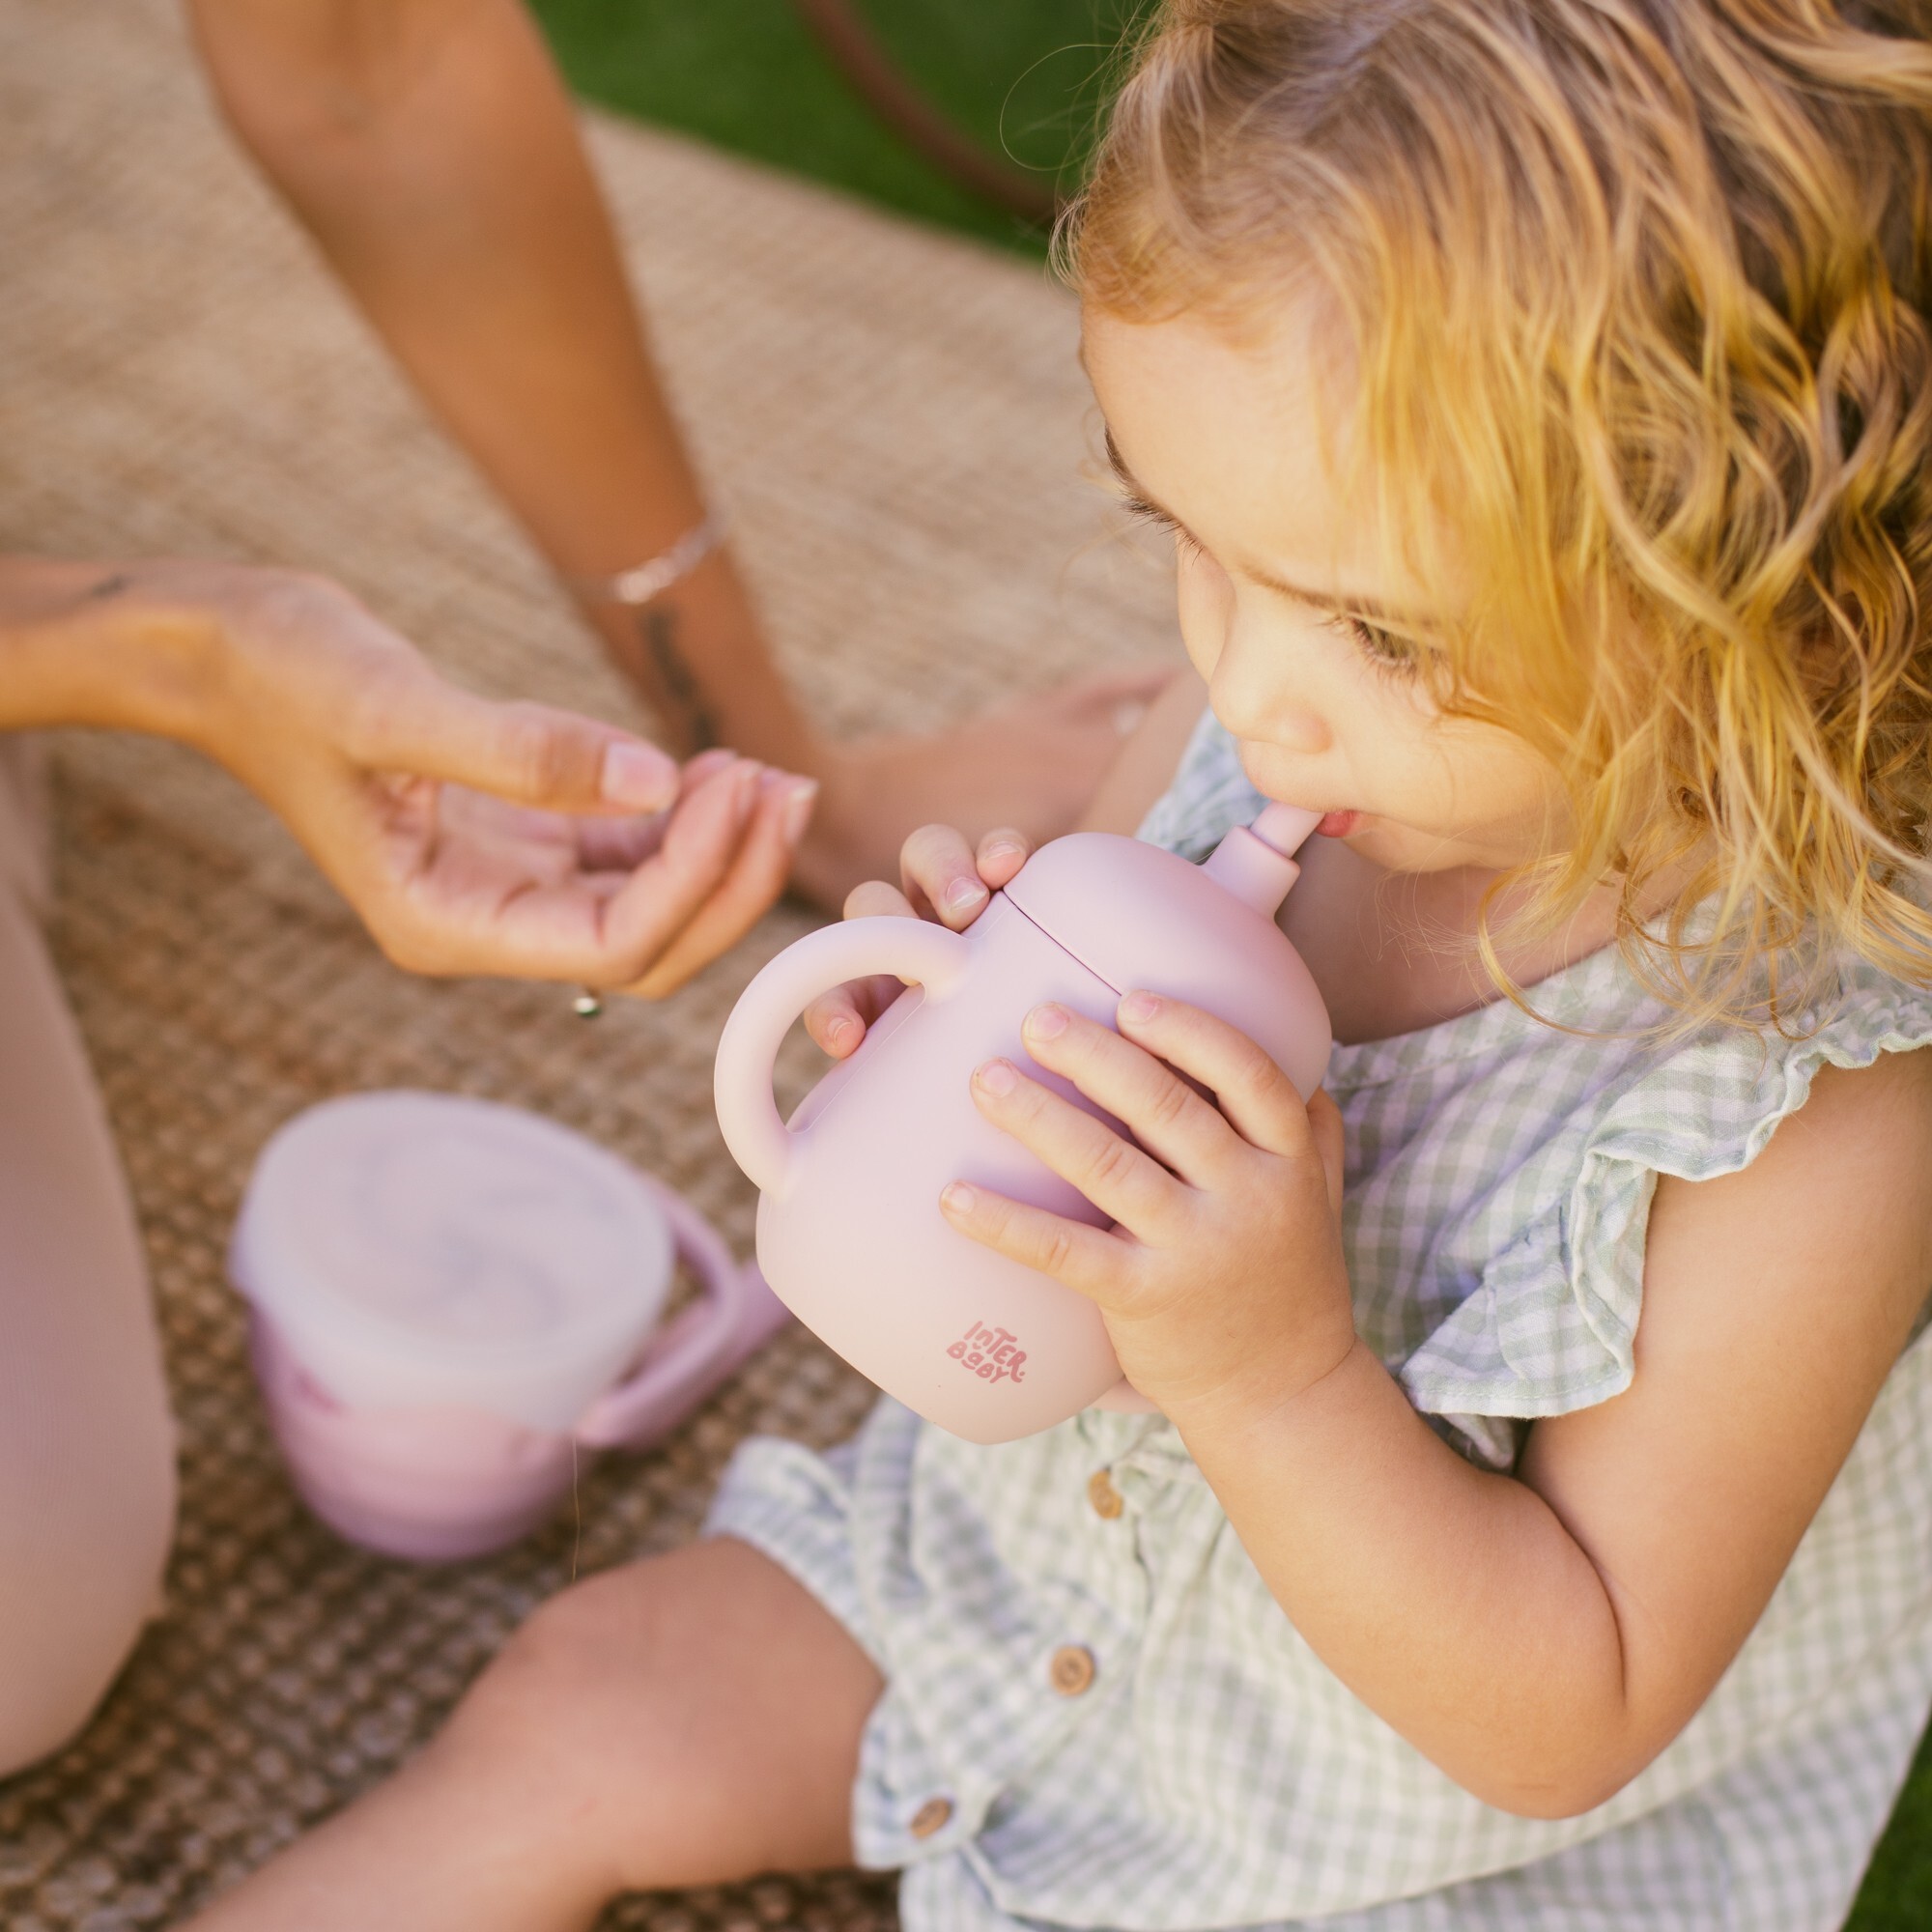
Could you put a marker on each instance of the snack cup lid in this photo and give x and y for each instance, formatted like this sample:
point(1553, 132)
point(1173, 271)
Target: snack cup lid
point(423, 1249)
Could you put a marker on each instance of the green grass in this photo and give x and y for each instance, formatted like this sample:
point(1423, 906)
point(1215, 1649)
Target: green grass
point(1021, 74)
point(1897, 1892)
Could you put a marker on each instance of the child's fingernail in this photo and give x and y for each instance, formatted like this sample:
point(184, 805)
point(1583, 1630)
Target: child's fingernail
point(958, 1196)
point(1005, 848)
point(638, 777)
point(963, 894)
point(1138, 1007)
point(1047, 1022)
point(998, 1076)
point(798, 809)
point(838, 1030)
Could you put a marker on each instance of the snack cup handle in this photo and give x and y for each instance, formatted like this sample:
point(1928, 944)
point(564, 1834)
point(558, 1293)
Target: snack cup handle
point(699, 1348)
point(914, 950)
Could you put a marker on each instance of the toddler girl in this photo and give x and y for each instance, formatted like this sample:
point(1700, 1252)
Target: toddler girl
point(1537, 1530)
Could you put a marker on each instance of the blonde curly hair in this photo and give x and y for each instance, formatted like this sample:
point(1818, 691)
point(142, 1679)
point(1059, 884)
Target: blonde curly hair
point(1635, 297)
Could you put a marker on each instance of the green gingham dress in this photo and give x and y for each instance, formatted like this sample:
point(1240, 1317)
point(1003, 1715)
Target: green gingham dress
point(1198, 1765)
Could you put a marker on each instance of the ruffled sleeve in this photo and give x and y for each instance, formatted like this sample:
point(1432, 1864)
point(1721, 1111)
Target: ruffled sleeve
point(1550, 1324)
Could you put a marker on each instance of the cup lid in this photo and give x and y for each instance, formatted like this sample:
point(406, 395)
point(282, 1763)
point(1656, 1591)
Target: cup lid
point(399, 1233)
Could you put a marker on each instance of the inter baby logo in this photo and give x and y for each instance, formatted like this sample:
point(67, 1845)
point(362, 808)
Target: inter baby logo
point(990, 1353)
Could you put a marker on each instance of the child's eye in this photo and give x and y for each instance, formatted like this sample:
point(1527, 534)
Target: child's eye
point(1384, 649)
point(1142, 511)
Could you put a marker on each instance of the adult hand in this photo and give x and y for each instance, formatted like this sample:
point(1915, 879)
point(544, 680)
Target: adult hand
point(474, 837)
point(1032, 763)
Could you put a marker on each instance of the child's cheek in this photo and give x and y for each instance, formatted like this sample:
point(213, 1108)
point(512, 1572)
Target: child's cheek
point(1205, 601)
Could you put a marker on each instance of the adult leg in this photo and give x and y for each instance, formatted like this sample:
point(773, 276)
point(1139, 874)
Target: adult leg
point(689, 1720)
point(86, 1445)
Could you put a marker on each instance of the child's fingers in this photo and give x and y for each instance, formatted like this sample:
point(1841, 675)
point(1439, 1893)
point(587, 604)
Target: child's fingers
point(1325, 1121)
point(1116, 1175)
point(1166, 1115)
point(873, 898)
point(837, 1021)
point(1080, 1258)
point(1000, 854)
point(1256, 1095)
point(937, 869)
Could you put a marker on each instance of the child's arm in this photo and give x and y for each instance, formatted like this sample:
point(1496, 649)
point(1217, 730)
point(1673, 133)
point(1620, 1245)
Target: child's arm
point(1540, 1638)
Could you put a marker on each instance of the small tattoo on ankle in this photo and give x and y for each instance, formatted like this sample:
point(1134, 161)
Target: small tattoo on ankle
point(659, 629)
point(111, 586)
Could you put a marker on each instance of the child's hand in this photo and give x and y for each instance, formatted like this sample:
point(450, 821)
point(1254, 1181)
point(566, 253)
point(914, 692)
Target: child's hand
point(941, 878)
point(1223, 1285)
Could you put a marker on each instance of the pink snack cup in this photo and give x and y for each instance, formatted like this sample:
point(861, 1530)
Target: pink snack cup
point(456, 1304)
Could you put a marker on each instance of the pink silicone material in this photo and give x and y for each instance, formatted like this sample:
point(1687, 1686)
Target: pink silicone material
point(445, 1483)
point(923, 954)
point(850, 1235)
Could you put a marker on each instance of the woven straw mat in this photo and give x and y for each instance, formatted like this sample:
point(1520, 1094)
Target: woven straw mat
point(897, 423)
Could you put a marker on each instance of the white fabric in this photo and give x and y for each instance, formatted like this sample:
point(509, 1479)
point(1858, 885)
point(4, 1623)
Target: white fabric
point(1216, 1774)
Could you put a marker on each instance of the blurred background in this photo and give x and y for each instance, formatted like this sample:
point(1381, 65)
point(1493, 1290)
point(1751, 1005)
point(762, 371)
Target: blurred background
point(1020, 80)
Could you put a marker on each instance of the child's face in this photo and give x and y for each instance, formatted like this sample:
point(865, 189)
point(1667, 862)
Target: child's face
point(1277, 577)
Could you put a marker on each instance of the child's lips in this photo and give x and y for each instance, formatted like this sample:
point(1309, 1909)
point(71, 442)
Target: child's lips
point(1338, 824)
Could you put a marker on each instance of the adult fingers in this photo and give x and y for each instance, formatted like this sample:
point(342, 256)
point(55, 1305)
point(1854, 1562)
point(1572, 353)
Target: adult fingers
point(1124, 1183)
point(1256, 1095)
point(640, 922)
point(1083, 1259)
point(1166, 1116)
point(756, 877)
point(530, 753)
point(937, 870)
point(621, 844)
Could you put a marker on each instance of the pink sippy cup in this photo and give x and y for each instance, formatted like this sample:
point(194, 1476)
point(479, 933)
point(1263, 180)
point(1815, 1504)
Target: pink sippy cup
point(850, 1236)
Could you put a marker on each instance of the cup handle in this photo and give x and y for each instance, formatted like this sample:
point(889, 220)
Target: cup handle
point(697, 1349)
point(915, 948)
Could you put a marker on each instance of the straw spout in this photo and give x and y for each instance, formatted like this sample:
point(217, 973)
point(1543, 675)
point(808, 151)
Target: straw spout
point(1256, 862)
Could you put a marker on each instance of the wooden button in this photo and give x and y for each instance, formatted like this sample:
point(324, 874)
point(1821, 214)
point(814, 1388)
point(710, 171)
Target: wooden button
point(1071, 1670)
point(1106, 1499)
point(934, 1815)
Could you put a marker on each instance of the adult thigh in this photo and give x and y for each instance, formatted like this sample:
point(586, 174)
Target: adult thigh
point(86, 1445)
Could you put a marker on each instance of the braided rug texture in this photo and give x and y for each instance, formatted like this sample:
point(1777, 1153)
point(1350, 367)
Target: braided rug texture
point(898, 425)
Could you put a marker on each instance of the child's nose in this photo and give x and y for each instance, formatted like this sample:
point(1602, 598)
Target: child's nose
point(1257, 700)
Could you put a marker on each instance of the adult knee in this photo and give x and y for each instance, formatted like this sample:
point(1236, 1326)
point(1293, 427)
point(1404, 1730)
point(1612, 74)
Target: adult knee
point(86, 1518)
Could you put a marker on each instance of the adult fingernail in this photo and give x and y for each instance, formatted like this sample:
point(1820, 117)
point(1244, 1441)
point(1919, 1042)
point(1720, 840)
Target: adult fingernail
point(1006, 848)
point(1047, 1022)
point(958, 1196)
point(963, 894)
point(1138, 1007)
point(746, 783)
point(998, 1077)
point(638, 777)
point(798, 809)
